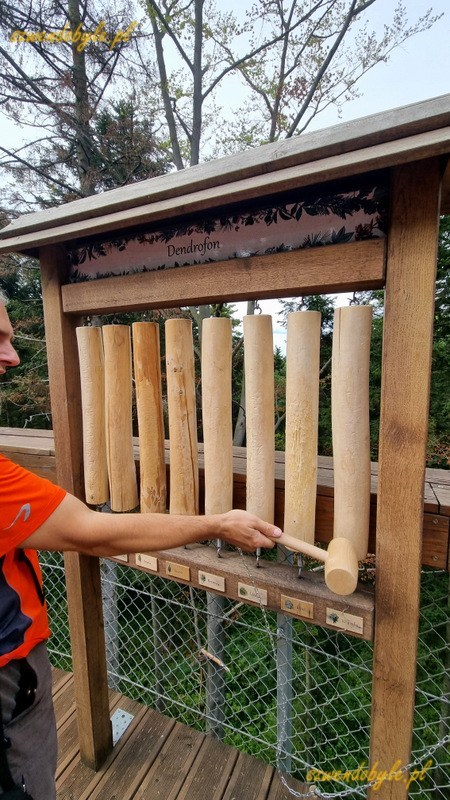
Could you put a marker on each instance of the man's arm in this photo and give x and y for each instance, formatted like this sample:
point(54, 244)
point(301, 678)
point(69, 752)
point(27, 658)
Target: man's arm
point(73, 526)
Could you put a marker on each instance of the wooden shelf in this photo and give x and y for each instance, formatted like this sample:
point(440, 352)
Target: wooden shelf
point(275, 587)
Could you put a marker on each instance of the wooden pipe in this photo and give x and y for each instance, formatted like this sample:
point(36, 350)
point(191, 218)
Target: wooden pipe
point(350, 425)
point(182, 417)
point(92, 375)
point(118, 417)
point(259, 413)
point(147, 376)
point(341, 563)
point(216, 414)
point(302, 412)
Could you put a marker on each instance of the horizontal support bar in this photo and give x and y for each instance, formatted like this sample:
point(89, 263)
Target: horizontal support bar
point(276, 587)
point(333, 268)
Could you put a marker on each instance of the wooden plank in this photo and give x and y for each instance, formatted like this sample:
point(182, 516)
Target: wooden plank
point(82, 573)
point(272, 581)
point(442, 491)
point(407, 340)
point(43, 466)
point(74, 778)
point(126, 769)
point(171, 766)
point(445, 195)
point(59, 679)
point(279, 790)
point(336, 140)
point(68, 742)
point(210, 772)
point(250, 779)
point(328, 269)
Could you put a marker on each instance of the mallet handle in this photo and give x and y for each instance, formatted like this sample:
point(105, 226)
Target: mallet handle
point(299, 546)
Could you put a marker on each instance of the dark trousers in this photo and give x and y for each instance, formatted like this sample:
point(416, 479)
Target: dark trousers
point(29, 722)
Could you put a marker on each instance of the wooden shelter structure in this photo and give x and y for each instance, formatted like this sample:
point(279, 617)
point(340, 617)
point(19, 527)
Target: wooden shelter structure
point(404, 154)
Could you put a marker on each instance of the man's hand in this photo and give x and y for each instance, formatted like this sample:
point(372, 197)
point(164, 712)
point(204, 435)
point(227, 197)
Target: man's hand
point(244, 530)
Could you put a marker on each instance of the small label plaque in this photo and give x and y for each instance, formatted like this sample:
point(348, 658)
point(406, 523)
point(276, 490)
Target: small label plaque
point(344, 621)
point(144, 560)
point(123, 558)
point(210, 581)
point(178, 571)
point(300, 608)
point(252, 593)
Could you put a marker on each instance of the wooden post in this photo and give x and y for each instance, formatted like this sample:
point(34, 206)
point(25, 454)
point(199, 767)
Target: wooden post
point(407, 342)
point(82, 572)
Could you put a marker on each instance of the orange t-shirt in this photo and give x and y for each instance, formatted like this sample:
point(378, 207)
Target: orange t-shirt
point(26, 501)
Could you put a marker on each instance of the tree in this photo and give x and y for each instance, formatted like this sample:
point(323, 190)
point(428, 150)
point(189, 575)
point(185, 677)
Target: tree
point(25, 398)
point(287, 59)
point(55, 82)
point(439, 427)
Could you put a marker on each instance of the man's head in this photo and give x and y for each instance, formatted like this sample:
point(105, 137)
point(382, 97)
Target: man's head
point(8, 356)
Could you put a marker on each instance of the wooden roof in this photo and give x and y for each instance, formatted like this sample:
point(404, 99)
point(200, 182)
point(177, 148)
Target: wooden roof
point(383, 140)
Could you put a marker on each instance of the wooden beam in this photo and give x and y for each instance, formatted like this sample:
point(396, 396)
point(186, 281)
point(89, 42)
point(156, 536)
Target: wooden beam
point(274, 586)
point(335, 268)
point(82, 572)
point(407, 341)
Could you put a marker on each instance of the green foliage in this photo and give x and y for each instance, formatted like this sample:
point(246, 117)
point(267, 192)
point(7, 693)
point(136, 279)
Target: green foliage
point(25, 398)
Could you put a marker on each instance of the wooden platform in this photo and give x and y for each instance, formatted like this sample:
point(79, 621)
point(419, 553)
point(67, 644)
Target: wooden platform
point(157, 758)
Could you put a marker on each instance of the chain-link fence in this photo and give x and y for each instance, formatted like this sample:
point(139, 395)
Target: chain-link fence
point(296, 695)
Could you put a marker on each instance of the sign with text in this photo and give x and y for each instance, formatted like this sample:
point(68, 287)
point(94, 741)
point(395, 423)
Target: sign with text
point(316, 218)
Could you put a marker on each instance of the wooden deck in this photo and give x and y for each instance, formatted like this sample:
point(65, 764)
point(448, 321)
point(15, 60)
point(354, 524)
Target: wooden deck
point(157, 758)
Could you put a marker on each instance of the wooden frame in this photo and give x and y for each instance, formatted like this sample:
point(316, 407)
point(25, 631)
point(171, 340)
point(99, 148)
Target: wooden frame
point(412, 143)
